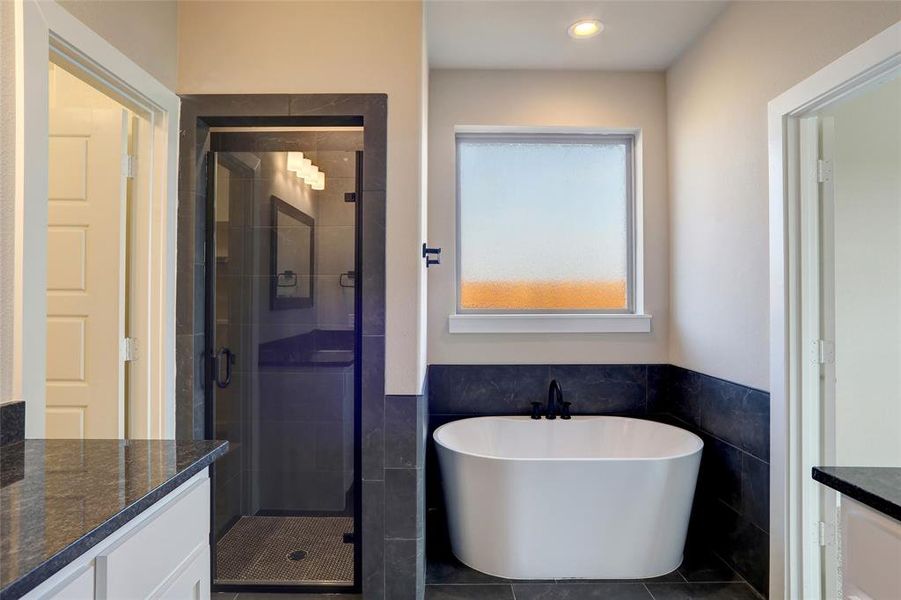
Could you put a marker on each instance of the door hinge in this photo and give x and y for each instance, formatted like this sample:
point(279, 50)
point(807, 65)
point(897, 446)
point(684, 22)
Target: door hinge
point(130, 165)
point(824, 170)
point(825, 352)
point(129, 349)
point(821, 533)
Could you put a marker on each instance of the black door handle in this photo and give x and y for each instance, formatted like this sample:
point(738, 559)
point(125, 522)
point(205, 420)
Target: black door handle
point(229, 357)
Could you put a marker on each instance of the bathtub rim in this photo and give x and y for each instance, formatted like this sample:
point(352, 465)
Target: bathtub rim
point(601, 459)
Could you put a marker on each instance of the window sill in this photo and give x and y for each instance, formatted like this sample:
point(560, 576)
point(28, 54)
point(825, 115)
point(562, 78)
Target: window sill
point(549, 323)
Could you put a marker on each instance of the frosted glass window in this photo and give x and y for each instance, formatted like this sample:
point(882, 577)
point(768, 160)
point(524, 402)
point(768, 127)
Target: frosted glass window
point(544, 223)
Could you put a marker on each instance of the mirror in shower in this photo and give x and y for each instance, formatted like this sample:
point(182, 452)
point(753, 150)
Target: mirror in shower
point(292, 265)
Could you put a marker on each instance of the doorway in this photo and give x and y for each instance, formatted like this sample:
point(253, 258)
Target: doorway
point(50, 34)
point(283, 377)
point(816, 266)
point(851, 315)
point(93, 262)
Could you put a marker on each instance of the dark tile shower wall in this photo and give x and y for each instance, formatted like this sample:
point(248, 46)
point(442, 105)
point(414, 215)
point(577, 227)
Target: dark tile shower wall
point(731, 512)
point(190, 278)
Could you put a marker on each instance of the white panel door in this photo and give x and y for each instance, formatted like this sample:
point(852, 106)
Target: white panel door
point(86, 272)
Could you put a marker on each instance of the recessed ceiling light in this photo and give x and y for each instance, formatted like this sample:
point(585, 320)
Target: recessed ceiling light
point(585, 28)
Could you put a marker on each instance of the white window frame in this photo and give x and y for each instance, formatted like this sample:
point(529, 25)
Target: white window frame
point(795, 562)
point(629, 320)
point(43, 28)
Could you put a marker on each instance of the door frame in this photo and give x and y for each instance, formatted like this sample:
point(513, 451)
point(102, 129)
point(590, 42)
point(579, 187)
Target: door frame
point(209, 366)
point(790, 445)
point(44, 29)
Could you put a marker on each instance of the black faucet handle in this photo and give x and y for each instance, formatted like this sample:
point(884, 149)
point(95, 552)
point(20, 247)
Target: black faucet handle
point(564, 410)
point(536, 410)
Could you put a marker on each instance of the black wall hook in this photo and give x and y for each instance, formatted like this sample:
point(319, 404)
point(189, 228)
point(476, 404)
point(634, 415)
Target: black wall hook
point(428, 253)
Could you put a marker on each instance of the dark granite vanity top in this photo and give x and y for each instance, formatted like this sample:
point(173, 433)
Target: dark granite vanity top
point(61, 497)
point(877, 487)
point(317, 348)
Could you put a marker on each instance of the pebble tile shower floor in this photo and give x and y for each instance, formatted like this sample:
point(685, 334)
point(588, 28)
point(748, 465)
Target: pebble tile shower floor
point(258, 549)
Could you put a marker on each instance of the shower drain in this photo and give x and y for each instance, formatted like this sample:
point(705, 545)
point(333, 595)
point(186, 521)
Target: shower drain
point(297, 555)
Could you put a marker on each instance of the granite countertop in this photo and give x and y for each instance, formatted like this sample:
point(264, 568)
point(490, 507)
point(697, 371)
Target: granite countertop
point(58, 498)
point(877, 487)
point(316, 348)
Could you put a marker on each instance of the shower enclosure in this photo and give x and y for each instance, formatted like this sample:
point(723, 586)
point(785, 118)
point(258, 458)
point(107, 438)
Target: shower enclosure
point(282, 343)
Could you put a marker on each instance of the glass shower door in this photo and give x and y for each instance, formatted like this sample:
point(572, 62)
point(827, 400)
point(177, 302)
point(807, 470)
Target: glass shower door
point(282, 381)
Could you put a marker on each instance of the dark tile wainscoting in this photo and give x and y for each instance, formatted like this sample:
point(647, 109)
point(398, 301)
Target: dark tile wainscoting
point(731, 511)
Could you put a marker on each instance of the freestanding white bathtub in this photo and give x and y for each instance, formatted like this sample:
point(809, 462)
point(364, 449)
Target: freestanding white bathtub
point(589, 497)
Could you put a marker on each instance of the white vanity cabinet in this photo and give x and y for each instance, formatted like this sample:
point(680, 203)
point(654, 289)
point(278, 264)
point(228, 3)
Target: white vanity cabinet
point(163, 552)
point(871, 553)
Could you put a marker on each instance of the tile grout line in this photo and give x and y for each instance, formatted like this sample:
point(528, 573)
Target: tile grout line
point(648, 590)
point(736, 571)
point(716, 437)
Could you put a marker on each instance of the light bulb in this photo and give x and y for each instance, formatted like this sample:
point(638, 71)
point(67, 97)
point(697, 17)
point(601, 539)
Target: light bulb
point(311, 174)
point(295, 161)
point(585, 28)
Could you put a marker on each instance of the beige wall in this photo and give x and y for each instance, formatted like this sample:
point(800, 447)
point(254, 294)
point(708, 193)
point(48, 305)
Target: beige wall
point(7, 200)
point(717, 95)
point(143, 30)
point(545, 98)
point(333, 47)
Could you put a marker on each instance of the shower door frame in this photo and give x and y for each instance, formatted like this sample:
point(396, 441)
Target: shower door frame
point(210, 366)
point(198, 114)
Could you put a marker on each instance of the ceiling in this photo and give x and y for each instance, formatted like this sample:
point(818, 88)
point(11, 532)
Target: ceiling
point(532, 34)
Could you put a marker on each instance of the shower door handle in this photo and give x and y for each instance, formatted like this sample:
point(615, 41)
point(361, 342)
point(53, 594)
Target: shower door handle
point(229, 359)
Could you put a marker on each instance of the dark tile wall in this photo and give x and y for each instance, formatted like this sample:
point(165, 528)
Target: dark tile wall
point(731, 512)
point(12, 422)
point(190, 277)
point(405, 442)
point(731, 509)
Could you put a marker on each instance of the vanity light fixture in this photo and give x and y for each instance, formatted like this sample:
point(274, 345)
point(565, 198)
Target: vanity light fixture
point(585, 28)
point(306, 170)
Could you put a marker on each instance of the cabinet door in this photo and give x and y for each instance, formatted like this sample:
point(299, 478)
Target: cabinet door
point(871, 553)
point(140, 565)
point(193, 582)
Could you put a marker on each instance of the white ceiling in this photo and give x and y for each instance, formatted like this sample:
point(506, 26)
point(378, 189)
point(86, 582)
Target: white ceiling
point(531, 34)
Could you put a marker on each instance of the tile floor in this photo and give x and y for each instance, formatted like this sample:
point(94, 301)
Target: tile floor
point(706, 578)
point(254, 596)
point(702, 576)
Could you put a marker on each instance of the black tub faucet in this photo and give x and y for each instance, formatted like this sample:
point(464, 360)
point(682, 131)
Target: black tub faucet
point(554, 400)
